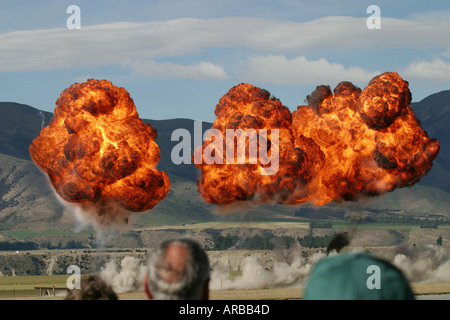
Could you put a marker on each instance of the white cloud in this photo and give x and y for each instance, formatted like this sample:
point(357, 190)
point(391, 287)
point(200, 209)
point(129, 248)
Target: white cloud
point(117, 43)
point(200, 71)
point(437, 70)
point(277, 69)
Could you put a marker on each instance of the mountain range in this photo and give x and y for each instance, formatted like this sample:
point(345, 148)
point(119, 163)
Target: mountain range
point(28, 202)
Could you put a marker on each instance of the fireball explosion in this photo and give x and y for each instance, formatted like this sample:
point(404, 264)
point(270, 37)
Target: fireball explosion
point(342, 146)
point(99, 155)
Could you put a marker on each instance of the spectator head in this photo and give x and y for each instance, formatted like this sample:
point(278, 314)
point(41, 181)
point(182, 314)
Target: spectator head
point(356, 276)
point(178, 270)
point(92, 287)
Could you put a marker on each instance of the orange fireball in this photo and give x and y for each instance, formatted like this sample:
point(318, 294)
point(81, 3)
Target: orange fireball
point(256, 158)
point(97, 151)
point(371, 139)
point(341, 146)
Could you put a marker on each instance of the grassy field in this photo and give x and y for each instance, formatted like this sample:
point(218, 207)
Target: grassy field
point(269, 225)
point(22, 287)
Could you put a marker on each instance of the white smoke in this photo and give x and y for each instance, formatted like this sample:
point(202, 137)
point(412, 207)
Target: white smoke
point(104, 217)
point(107, 225)
point(254, 275)
point(235, 272)
point(50, 265)
point(43, 118)
point(429, 263)
point(127, 277)
point(129, 274)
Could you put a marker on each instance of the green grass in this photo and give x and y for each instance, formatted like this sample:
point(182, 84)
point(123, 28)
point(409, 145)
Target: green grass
point(23, 286)
point(22, 234)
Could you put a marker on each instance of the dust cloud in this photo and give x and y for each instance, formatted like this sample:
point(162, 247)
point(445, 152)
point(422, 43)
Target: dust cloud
point(126, 277)
point(234, 270)
point(429, 263)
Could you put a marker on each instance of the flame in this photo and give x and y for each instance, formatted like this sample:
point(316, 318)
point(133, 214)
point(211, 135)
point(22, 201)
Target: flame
point(341, 146)
point(246, 108)
point(98, 153)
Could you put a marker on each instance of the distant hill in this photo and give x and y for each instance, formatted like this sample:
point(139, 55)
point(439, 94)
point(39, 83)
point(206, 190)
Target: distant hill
point(434, 115)
point(27, 200)
point(165, 129)
point(19, 125)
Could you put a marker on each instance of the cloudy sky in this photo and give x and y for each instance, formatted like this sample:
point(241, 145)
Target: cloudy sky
point(177, 58)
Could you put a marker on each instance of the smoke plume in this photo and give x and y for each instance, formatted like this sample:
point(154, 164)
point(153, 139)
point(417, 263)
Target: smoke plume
point(428, 263)
point(126, 277)
point(254, 275)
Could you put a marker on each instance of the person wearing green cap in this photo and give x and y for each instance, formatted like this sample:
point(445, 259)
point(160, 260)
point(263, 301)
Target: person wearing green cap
point(356, 276)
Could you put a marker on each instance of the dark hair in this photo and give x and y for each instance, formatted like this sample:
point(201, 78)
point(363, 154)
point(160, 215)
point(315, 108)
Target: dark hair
point(338, 242)
point(93, 287)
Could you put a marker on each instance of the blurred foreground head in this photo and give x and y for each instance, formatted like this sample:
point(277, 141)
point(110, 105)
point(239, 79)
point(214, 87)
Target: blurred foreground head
point(338, 242)
point(178, 270)
point(93, 287)
point(356, 276)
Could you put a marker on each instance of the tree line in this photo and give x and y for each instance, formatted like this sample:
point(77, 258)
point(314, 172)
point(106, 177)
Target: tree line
point(71, 244)
point(30, 245)
point(392, 218)
point(264, 241)
point(320, 224)
point(18, 246)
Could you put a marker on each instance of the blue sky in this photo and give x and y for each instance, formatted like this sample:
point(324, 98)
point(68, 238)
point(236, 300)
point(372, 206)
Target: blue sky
point(177, 58)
